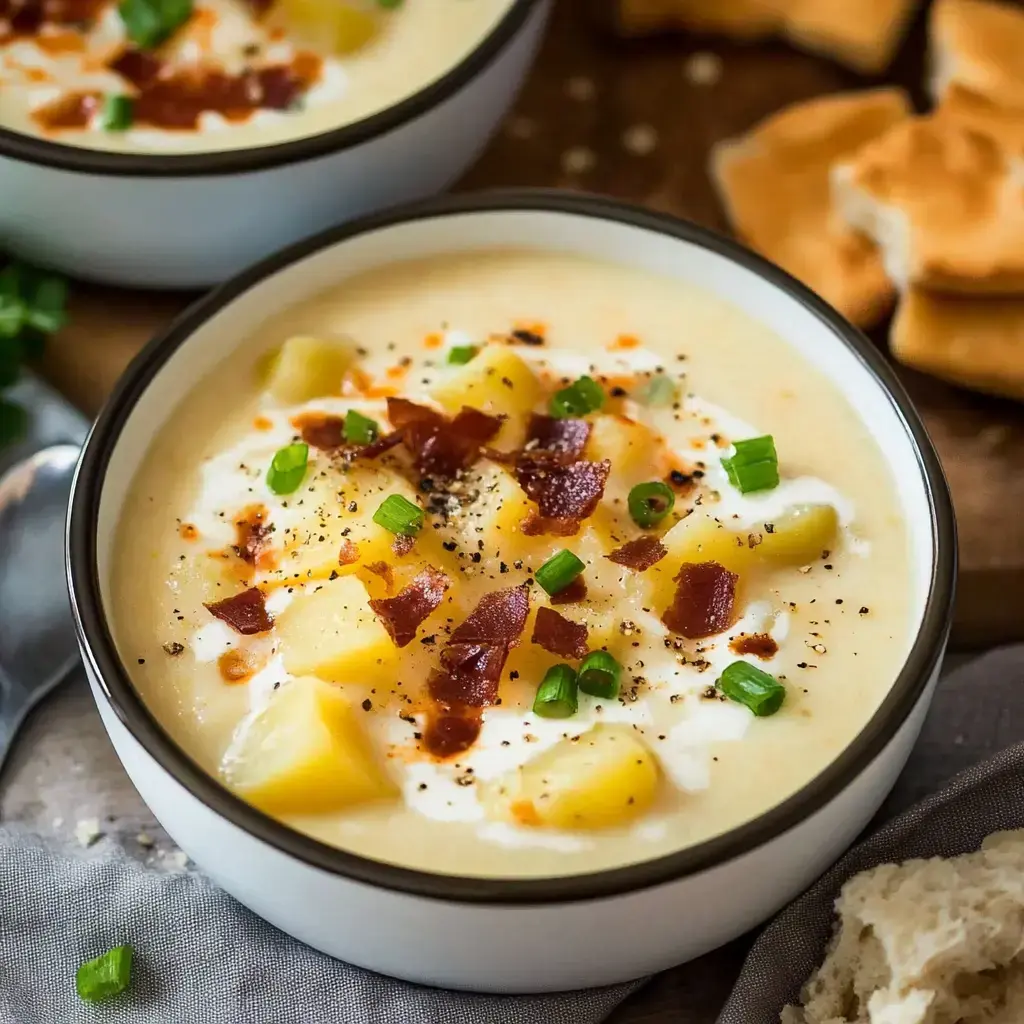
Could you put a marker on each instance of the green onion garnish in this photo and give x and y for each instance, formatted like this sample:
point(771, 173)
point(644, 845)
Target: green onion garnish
point(755, 466)
point(288, 468)
point(106, 976)
point(599, 675)
point(558, 571)
point(390, 5)
point(148, 23)
point(399, 515)
point(360, 429)
point(556, 695)
point(746, 684)
point(582, 396)
point(461, 354)
point(650, 503)
point(118, 113)
point(30, 299)
point(659, 393)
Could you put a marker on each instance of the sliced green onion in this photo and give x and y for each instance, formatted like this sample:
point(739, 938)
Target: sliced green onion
point(399, 515)
point(46, 302)
point(660, 392)
point(148, 23)
point(360, 429)
point(650, 503)
point(118, 113)
point(557, 695)
point(558, 571)
point(599, 675)
point(582, 396)
point(461, 354)
point(288, 468)
point(30, 298)
point(754, 466)
point(748, 685)
point(106, 976)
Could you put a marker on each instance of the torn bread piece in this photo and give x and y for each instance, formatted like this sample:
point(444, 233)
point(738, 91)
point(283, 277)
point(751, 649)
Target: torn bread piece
point(979, 46)
point(926, 942)
point(977, 343)
point(944, 203)
point(1003, 124)
point(774, 184)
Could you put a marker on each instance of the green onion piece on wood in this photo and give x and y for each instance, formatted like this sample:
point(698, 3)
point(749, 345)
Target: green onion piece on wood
point(599, 675)
point(360, 429)
point(118, 113)
point(557, 695)
point(650, 503)
point(558, 571)
point(748, 685)
point(148, 23)
point(579, 398)
point(754, 466)
point(399, 515)
point(106, 976)
point(288, 468)
point(461, 354)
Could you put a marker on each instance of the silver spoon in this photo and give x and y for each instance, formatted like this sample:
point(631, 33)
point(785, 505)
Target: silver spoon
point(38, 648)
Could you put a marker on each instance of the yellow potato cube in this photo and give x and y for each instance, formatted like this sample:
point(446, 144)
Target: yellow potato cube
point(634, 450)
point(330, 631)
point(496, 381)
point(800, 535)
point(308, 367)
point(337, 26)
point(499, 511)
point(306, 753)
point(604, 777)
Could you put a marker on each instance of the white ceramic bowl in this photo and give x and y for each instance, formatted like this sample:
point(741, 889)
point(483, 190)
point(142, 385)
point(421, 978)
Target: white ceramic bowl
point(190, 221)
point(505, 935)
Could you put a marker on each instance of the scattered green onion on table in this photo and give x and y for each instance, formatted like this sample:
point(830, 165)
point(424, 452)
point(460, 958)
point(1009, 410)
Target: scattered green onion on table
point(106, 976)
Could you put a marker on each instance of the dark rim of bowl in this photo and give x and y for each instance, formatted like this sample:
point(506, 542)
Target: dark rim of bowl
point(114, 681)
point(81, 160)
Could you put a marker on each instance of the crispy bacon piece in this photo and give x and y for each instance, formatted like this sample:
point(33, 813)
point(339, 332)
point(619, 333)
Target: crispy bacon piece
point(252, 534)
point(566, 437)
point(320, 430)
point(245, 613)
point(704, 601)
point(565, 494)
point(404, 613)
point(383, 444)
point(639, 554)
point(761, 645)
point(441, 447)
point(402, 545)
point(348, 553)
point(383, 570)
point(446, 734)
point(559, 635)
point(576, 591)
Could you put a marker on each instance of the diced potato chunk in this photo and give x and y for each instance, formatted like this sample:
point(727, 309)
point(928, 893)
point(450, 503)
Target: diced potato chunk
point(499, 511)
point(634, 450)
point(306, 753)
point(800, 536)
point(308, 367)
point(495, 381)
point(331, 632)
point(338, 26)
point(605, 777)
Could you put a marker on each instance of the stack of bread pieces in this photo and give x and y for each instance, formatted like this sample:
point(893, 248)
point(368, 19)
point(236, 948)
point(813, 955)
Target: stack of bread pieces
point(873, 206)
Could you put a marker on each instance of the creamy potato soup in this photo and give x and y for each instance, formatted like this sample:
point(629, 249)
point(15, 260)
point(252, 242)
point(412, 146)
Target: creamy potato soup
point(513, 564)
point(183, 76)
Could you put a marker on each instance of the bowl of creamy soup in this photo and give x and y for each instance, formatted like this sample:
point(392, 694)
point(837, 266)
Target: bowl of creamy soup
point(467, 586)
point(170, 144)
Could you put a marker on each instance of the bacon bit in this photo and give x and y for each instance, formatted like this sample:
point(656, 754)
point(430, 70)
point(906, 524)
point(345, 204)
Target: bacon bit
point(402, 545)
point(575, 592)
point(624, 341)
point(383, 570)
point(381, 445)
point(433, 341)
point(441, 447)
point(528, 337)
point(245, 613)
point(704, 600)
point(639, 554)
point(404, 613)
point(761, 645)
point(238, 666)
point(446, 735)
point(29, 16)
point(253, 535)
point(559, 635)
point(263, 423)
point(188, 531)
point(566, 437)
point(72, 110)
point(565, 494)
point(349, 553)
point(320, 430)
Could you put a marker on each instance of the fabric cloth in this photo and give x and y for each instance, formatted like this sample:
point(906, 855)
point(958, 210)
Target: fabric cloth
point(203, 959)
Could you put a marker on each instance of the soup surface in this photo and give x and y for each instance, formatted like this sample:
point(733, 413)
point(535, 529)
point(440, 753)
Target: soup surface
point(340, 581)
point(205, 75)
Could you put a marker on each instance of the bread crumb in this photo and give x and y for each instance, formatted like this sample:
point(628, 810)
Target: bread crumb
point(88, 832)
point(145, 840)
point(578, 160)
point(640, 139)
point(580, 88)
point(703, 68)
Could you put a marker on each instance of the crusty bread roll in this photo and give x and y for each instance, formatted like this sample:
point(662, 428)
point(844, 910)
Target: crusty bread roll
point(972, 110)
point(944, 203)
point(926, 942)
point(774, 185)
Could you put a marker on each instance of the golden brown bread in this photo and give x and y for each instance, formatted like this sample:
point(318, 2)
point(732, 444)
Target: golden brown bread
point(945, 204)
point(1003, 124)
point(774, 183)
point(978, 343)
